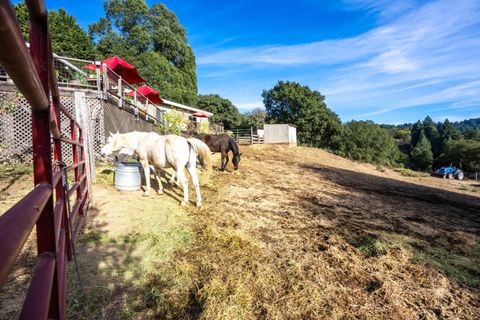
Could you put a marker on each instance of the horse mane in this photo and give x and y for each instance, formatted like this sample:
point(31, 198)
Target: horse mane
point(233, 146)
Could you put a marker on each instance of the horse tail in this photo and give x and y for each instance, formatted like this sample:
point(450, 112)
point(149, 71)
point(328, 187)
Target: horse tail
point(203, 153)
point(233, 146)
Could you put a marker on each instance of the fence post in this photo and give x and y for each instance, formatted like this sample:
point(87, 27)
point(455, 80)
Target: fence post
point(135, 110)
point(99, 82)
point(41, 145)
point(146, 111)
point(105, 81)
point(119, 92)
point(82, 114)
point(251, 135)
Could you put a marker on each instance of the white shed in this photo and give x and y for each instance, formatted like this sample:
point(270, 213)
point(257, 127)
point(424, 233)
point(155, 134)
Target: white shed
point(280, 134)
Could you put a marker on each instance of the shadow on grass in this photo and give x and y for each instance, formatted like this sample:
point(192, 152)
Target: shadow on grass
point(123, 265)
point(12, 173)
point(439, 227)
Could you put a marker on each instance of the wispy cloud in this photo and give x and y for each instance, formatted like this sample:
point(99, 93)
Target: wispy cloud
point(422, 54)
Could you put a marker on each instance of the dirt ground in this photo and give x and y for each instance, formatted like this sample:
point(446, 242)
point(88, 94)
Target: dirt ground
point(296, 233)
point(301, 233)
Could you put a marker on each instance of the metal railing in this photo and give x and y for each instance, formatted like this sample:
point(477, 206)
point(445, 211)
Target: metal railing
point(46, 206)
point(246, 136)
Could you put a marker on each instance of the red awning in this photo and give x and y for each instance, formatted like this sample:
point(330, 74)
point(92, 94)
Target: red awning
point(121, 67)
point(147, 92)
point(200, 114)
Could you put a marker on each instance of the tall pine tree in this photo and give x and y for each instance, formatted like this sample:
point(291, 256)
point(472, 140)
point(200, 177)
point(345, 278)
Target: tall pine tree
point(422, 156)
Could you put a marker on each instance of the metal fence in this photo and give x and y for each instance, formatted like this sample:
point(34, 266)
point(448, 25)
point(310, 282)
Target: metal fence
point(46, 206)
point(246, 136)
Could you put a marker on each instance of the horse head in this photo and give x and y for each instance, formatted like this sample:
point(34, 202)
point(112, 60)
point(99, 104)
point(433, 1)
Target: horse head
point(115, 143)
point(236, 160)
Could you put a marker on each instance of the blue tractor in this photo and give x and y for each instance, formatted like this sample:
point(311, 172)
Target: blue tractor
point(450, 172)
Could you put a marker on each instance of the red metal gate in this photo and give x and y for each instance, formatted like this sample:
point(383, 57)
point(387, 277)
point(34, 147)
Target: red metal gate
point(46, 205)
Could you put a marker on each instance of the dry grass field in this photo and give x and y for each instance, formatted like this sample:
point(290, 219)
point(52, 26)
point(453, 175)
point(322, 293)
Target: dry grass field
point(296, 233)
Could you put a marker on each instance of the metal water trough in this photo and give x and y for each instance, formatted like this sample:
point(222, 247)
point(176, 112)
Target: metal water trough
point(127, 176)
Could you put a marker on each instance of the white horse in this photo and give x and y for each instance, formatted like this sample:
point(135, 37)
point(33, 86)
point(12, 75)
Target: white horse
point(168, 151)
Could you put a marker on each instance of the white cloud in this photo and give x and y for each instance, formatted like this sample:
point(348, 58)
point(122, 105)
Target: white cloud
point(421, 55)
point(246, 106)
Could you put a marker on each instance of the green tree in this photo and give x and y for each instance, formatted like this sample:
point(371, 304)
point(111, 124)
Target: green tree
point(21, 12)
point(472, 134)
point(462, 153)
point(254, 118)
point(290, 102)
point(432, 134)
point(417, 129)
point(367, 141)
point(67, 37)
point(422, 156)
point(224, 112)
point(447, 132)
point(154, 41)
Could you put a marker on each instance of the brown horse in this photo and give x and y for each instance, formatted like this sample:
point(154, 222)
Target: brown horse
point(222, 143)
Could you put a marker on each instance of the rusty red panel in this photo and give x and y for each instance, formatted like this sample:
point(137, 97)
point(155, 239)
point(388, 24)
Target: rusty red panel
point(41, 142)
point(37, 302)
point(60, 263)
point(57, 176)
point(77, 227)
point(78, 204)
point(17, 60)
point(74, 166)
point(36, 9)
point(58, 216)
point(17, 223)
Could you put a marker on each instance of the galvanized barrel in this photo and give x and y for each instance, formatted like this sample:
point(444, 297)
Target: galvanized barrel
point(127, 176)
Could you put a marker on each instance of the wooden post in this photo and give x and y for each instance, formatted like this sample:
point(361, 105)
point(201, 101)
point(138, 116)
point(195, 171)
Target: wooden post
point(135, 110)
point(99, 82)
point(119, 92)
point(105, 81)
point(146, 110)
point(251, 135)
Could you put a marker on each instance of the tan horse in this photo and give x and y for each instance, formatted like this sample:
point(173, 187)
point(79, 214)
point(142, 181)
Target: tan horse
point(168, 151)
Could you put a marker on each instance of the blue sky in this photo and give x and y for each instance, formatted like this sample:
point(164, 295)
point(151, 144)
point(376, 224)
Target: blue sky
point(388, 61)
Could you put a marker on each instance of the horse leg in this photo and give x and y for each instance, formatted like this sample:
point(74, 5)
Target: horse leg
point(224, 163)
point(157, 177)
point(226, 160)
point(193, 173)
point(183, 181)
point(146, 171)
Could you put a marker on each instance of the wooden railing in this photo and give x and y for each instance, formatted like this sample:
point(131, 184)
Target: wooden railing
point(114, 85)
point(47, 205)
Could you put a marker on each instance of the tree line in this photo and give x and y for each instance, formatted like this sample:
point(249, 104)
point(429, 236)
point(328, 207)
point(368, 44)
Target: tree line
point(424, 145)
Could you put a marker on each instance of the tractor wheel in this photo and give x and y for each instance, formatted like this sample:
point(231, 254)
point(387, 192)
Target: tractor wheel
point(450, 176)
point(460, 175)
